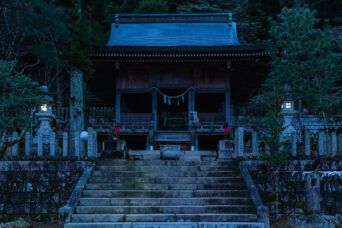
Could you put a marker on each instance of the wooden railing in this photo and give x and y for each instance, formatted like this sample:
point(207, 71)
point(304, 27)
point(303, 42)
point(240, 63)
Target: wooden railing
point(136, 121)
point(211, 122)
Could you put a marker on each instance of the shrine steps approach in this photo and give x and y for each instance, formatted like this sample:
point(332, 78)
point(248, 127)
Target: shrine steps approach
point(165, 194)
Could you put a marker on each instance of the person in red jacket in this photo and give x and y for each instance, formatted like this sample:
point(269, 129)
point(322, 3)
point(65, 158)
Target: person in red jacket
point(226, 132)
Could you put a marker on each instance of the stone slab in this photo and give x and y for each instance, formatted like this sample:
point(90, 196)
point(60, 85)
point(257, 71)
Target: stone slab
point(98, 225)
point(165, 225)
point(230, 225)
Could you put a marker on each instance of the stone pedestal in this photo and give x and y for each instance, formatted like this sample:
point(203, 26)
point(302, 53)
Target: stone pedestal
point(239, 143)
point(307, 143)
point(312, 193)
point(321, 143)
point(255, 144)
point(225, 149)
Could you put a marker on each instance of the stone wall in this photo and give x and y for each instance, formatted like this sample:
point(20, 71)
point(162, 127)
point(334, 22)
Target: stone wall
point(290, 191)
point(28, 187)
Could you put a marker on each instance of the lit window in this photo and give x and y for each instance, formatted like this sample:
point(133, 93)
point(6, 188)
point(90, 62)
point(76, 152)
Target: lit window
point(288, 105)
point(44, 107)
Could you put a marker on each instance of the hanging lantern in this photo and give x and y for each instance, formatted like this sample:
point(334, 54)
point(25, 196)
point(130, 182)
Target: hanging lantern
point(169, 103)
point(164, 99)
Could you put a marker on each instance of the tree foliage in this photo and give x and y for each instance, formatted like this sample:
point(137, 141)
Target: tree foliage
point(302, 58)
point(19, 95)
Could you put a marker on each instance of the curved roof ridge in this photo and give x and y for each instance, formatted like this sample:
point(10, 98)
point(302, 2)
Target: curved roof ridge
point(173, 18)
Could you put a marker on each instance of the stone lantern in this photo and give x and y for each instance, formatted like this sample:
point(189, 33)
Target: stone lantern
point(288, 111)
point(45, 115)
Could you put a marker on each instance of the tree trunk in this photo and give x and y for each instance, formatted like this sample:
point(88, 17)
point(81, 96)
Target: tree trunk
point(76, 108)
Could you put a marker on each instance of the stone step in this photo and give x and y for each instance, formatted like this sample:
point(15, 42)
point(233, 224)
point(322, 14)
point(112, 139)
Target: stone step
point(174, 173)
point(164, 194)
point(166, 168)
point(167, 180)
point(177, 209)
point(118, 162)
point(166, 225)
point(163, 217)
point(163, 187)
point(163, 201)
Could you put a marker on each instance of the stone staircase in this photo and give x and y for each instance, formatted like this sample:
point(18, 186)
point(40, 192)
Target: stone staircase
point(120, 193)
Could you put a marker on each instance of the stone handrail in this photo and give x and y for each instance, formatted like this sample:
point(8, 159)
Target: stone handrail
point(262, 210)
point(66, 211)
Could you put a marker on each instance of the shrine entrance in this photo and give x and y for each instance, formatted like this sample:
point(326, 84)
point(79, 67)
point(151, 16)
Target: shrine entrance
point(172, 112)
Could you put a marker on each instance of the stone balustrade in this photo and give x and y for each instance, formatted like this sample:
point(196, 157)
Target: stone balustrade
point(246, 143)
point(40, 145)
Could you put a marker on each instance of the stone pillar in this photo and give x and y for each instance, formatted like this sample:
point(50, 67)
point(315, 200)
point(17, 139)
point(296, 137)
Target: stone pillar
point(95, 144)
point(307, 143)
point(321, 143)
point(76, 109)
point(27, 143)
point(65, 144)
point(239, 143)
point(328, 144)
point(154, 109)
point(255, 144)
point(294, 145)
point(117, 107)
point(40, 144)
point(52, 144)
point(333, 144)
point(312, 193)
point(90, 144)
point(191, 105)
point(15, 146)
point(339, 143)
point(77, 144)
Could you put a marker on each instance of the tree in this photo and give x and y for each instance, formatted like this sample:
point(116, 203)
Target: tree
point(18, 98)
point(152, 6)
point(302, 58)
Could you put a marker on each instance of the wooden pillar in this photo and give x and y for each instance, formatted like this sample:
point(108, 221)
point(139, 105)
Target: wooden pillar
point(227, 104)
point(191, 105)
point(154, 109)
point(117, 106)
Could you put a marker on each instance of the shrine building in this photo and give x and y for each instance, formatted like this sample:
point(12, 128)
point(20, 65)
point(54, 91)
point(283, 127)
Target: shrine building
point(174, 78)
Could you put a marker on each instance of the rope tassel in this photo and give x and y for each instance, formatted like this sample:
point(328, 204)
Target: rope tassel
point(169, 103)
point(164, 99)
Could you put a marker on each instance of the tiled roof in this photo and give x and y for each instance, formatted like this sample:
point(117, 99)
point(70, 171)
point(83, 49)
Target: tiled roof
point(173, 30)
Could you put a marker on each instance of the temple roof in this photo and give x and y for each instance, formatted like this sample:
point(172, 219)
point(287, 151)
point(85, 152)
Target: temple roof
point(173, 30)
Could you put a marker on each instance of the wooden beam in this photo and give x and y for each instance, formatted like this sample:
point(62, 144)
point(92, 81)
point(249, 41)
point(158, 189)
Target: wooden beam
point(154, 109)
point(228, 114)
point(117, 106)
